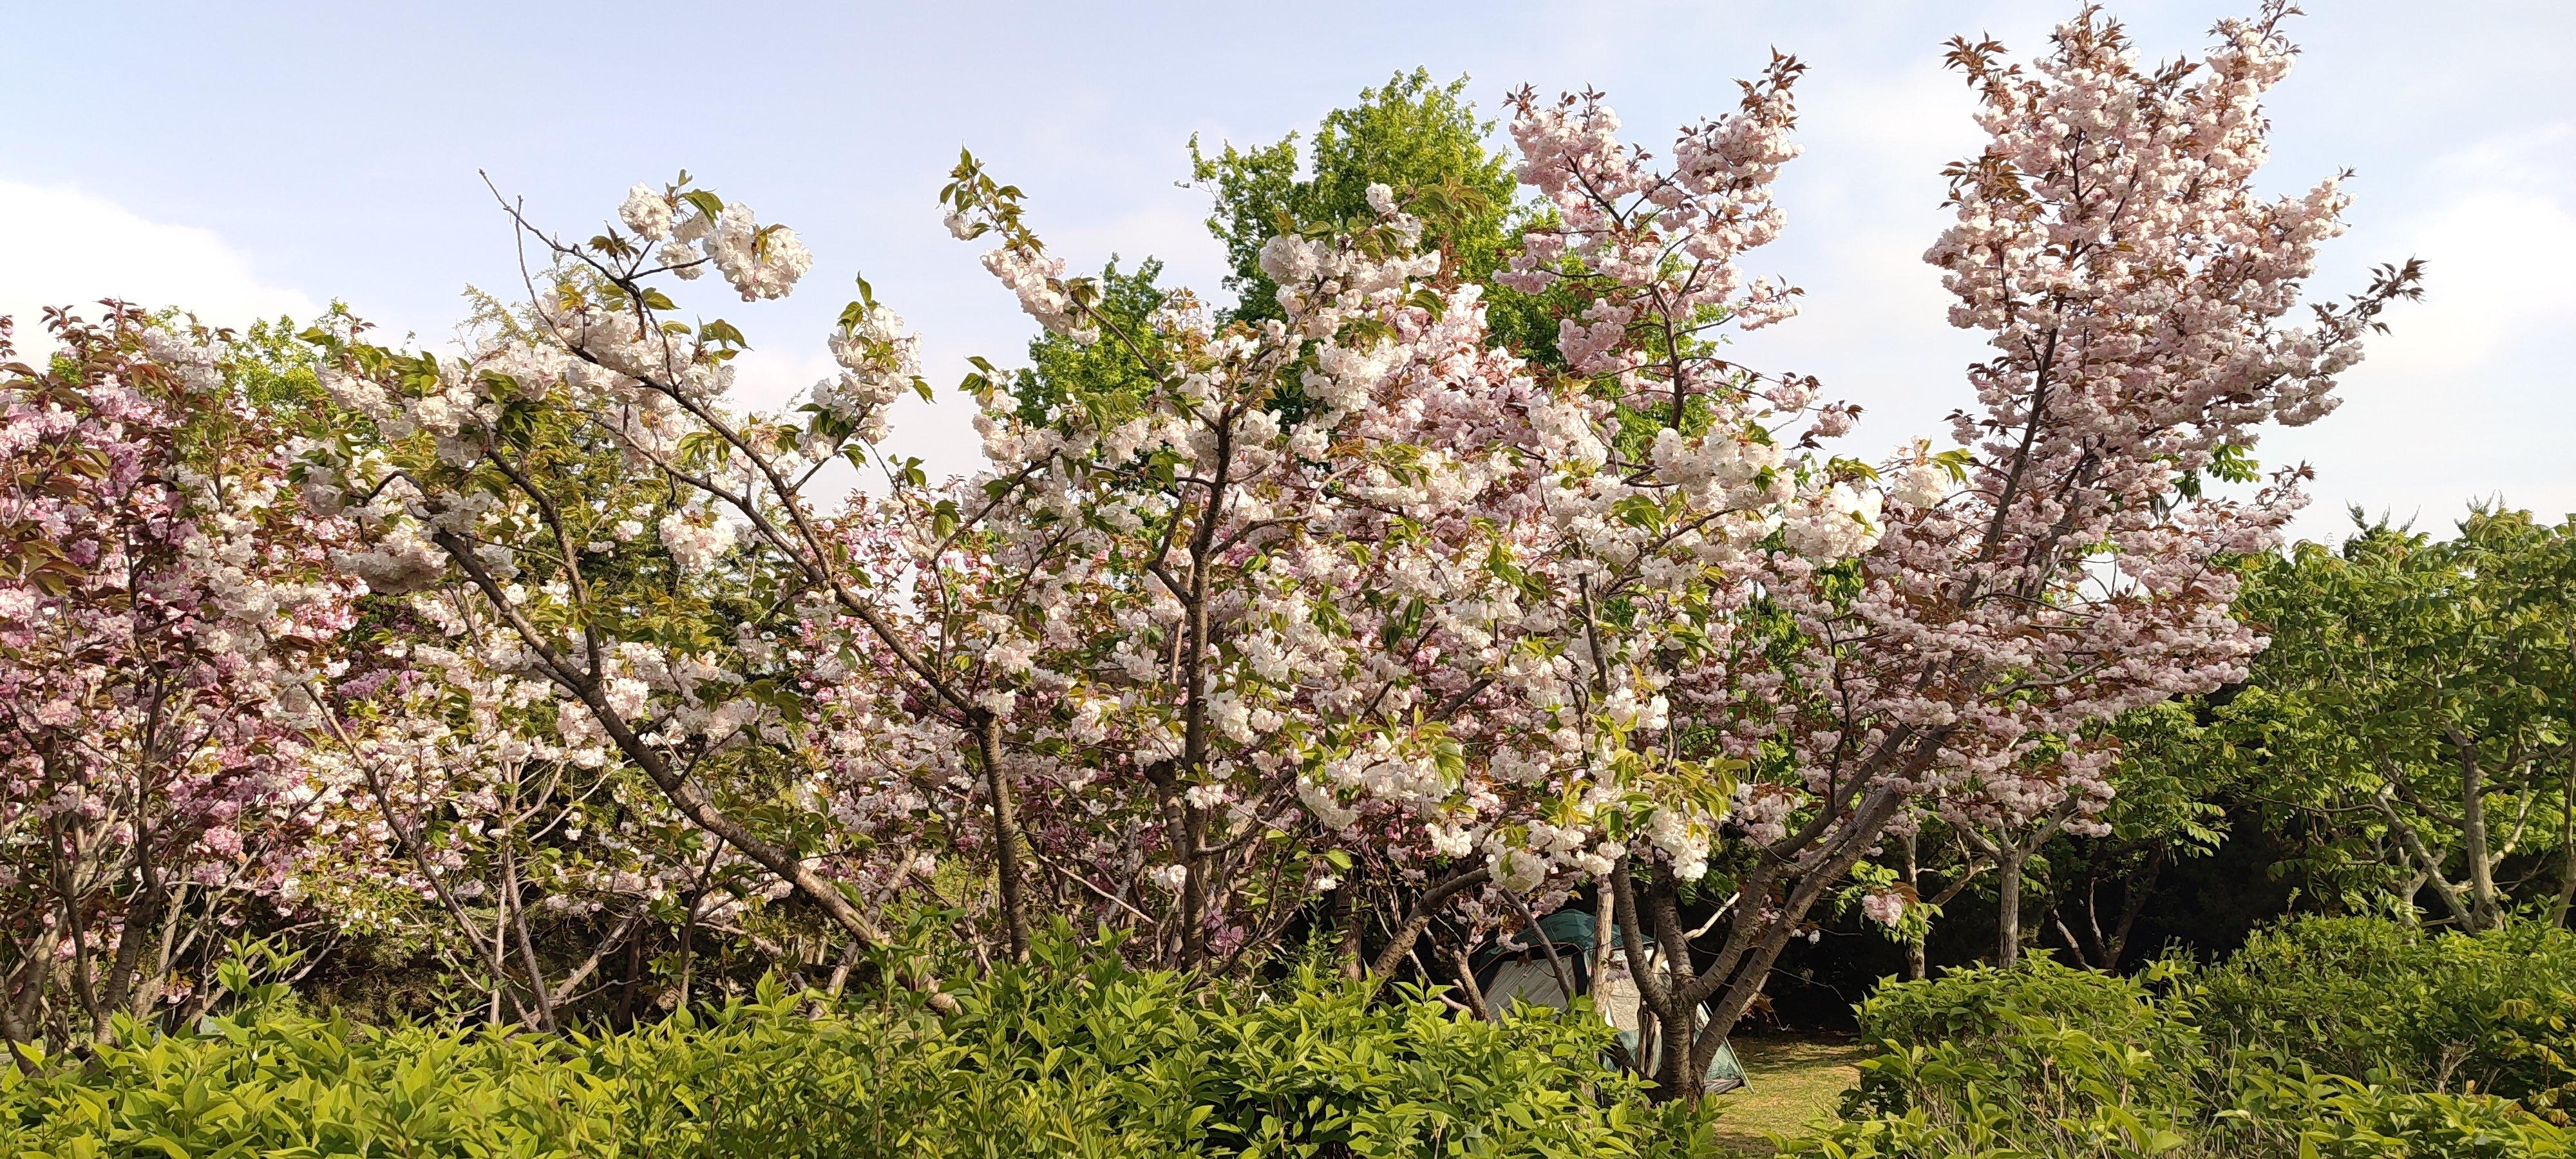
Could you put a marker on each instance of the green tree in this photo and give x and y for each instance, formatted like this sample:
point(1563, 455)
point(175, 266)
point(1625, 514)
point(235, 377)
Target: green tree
point(1419, 139)
point(2420, 692)
point(2167, 809)
point(1108, 376)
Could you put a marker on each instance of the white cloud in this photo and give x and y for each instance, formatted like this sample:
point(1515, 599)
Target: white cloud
point(2465, 398)
point(73, 249)
point(1864, 202)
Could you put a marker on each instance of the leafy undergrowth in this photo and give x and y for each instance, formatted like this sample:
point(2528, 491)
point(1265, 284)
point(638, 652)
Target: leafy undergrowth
point(1796, 1081)
point(2341, 1038)
point(1074, 1056)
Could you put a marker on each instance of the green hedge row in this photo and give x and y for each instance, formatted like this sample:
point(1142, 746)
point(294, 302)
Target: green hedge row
point(1069, 1057)
point(2327, 1038)
point(2333, 1039)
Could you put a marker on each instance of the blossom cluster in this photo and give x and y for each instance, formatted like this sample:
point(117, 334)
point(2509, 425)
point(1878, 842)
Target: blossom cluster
point(761, 261)
point(166, 608)
point(1352, 600)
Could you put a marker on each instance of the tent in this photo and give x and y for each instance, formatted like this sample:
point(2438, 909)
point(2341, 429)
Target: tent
point(1516, 969)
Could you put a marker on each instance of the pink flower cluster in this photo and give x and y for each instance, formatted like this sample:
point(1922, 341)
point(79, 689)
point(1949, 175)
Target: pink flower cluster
point(165, 611)
point(1350, 600)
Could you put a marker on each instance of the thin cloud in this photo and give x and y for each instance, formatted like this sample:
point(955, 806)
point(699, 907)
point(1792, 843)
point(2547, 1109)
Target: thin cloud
point(2465, 399)
point(77, 249)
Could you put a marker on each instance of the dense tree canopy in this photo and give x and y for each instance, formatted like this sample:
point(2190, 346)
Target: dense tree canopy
point(2422, 691)
point(1452, 574)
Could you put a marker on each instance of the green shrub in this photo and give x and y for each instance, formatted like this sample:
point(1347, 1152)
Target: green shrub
point(2046, 1061)
point(1083, 1059)
point(2333, 1117)
point(273, 1082)
point(2040, 1059)
point(1072, 1056)
point(2369, 998)
point(1980, 1003)
point(2081, 1112)
point(2033, 1087)
point(1985, 1022)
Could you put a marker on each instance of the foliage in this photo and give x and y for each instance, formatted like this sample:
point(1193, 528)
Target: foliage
point(2037, 1087)
point(1103, 379)
point(2058, 1092)
point(1421, 140)
point(1968, 663)
point(1070, 1055)
point(2044, 1060)
point(2421, 691)
point(2167, 809)
point(165, 607)
point(2341, 1118)
point(2403, 668)
point(2490, 1012)
point(1357, 607)
point(1981, 1005)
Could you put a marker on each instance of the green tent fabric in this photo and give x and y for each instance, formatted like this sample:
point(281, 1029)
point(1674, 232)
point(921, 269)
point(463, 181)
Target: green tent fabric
point(1568, 930)
point(1725, 1072)
point(1571, 932)
point(1565, 927)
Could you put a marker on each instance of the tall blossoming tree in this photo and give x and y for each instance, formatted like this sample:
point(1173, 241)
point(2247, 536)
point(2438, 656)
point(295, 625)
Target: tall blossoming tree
point(163, 604)
point(576, 485)
point(2136, 291)
point(1350, 599)
point(1309, 596)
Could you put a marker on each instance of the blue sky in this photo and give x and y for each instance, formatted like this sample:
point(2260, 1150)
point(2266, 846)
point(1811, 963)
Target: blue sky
point(271, 157)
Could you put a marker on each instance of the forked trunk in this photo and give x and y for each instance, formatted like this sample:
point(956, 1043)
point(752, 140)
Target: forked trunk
point(1696, 1007)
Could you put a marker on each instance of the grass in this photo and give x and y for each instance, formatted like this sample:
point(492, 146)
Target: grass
point(1795, 1082)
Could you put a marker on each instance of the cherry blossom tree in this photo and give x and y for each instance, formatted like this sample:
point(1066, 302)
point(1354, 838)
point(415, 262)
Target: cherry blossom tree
point(163, 604)
point(1348, 598)
point(1352, 531)
point(2135, 288)
point(647, 554)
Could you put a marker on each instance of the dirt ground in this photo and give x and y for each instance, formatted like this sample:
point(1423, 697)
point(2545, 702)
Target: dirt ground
point(1795, 1080)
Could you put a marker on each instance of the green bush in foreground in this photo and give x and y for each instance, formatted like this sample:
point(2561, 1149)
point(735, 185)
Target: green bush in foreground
point(2461, 1042)
point(1063, 1058)
point(2494, 1012)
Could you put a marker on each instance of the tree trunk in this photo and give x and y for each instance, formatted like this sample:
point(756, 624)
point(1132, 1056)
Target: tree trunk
point(2008, 906)
point(2409, 910)
point(1698, 1008)
point(1663, 976)
point(1008, 845)
point(1346, 919)
point(2132, 905)
point(2566, 839)
point(1425, 907)
point(2483, 910)
point(1604, 931)
point(1467, 986)
point(2566, 860)
point(1916, 965)
point(2427, 864)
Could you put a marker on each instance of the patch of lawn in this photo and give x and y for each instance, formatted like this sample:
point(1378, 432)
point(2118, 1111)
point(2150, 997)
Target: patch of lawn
point(1795, 1082)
